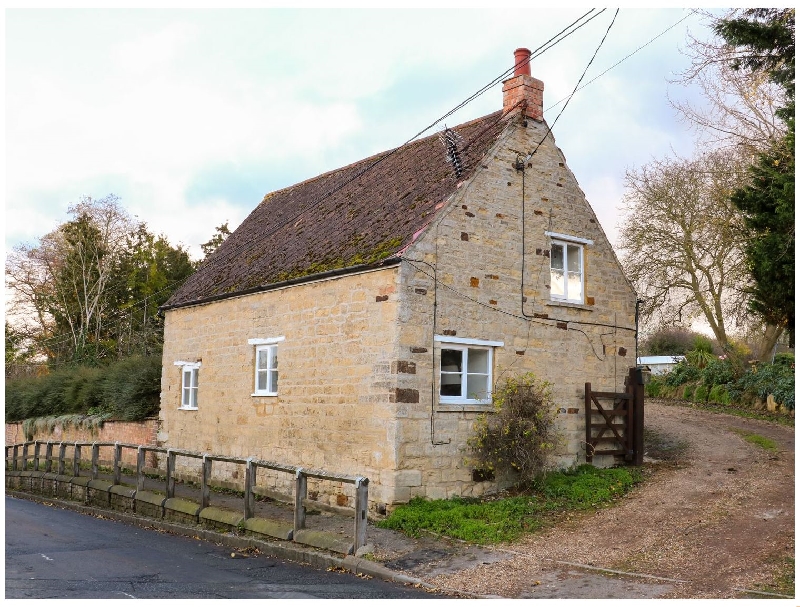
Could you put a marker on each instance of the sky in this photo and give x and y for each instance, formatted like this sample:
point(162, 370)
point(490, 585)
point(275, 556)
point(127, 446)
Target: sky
point(191, 116)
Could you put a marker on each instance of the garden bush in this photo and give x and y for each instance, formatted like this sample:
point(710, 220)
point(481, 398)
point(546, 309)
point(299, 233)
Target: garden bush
point(718, 372)
point(653, 388)
point(719, 395)
point(701, 394)
point(688, 392)
point(516, 438)
point(763, 380)
point(682, 374)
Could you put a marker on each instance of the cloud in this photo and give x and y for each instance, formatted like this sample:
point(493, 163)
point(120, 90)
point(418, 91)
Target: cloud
point(192, 116)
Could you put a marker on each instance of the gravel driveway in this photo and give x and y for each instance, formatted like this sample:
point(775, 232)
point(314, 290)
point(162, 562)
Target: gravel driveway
point(714, 520)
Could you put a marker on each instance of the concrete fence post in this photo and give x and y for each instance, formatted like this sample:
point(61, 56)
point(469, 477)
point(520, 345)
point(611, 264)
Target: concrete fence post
point(140, 453)
point(362, 502)
point(15, 454)
point(95, 460)
point(62, 454)
point(300, 492)
point(249, 485)
point(170, 473)
point(48, 457)
point(117, 463)
point(205, 488)
point(25, 455)
point(76, 461)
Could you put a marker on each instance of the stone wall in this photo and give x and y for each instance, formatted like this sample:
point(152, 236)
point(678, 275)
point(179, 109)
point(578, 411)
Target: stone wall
point(134, 433)
point(477, 252)
point(336, 406)
point(358, 367)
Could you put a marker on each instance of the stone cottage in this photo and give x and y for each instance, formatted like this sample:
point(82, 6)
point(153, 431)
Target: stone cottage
point(358, 321)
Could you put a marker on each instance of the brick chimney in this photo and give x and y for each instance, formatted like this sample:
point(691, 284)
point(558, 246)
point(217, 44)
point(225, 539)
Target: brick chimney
point(522, 87)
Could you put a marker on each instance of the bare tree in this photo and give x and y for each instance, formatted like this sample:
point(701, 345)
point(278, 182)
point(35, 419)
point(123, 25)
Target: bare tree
point(740, 104)
point(681, 241)
point(60, 288)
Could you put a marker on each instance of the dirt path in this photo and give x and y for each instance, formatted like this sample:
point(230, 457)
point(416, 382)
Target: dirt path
point(716, 517)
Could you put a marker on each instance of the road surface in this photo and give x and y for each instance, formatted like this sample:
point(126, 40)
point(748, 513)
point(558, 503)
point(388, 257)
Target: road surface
point(55, 553)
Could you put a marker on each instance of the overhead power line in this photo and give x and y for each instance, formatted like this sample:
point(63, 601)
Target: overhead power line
point(559, 37)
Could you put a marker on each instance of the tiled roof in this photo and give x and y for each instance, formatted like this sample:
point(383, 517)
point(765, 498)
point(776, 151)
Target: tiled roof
point(358, 215)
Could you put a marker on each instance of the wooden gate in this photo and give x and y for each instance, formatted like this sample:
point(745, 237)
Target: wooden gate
point(618, 427)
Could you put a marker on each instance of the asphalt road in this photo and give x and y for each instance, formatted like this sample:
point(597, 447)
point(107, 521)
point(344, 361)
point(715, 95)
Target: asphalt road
point(55, 553)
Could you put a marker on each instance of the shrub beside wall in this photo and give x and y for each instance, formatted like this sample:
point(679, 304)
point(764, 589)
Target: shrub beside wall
point(129, 389)
point(719, 382)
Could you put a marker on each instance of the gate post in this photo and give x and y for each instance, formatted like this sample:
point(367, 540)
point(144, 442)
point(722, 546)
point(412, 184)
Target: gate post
point(638, 415)
point(588, 412)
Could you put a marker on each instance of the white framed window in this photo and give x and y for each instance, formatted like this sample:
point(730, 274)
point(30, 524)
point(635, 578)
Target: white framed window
point(465, 370)
point(266, 365)
point(566, 271)
point(190, 381)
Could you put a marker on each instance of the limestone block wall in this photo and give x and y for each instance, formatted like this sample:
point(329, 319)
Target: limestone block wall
point(487, 291)
point(337, 401)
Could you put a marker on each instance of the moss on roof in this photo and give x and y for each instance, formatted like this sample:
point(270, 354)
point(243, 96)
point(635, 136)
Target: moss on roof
point(358, 215)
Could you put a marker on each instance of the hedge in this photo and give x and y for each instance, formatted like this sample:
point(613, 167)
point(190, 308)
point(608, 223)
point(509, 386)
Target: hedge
point(127, 390)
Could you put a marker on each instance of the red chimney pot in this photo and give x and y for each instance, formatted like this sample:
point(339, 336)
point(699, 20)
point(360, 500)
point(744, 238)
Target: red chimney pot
point(522, 62)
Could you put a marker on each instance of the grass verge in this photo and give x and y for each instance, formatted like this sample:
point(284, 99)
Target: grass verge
point(783, 581)
point(503, 519)
point(757, 439)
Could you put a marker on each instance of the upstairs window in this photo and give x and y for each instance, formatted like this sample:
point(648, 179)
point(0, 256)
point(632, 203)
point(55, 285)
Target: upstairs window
point(566, 268)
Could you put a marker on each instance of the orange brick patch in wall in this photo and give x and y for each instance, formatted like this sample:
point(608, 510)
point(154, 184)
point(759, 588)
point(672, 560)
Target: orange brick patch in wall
point(136, 433)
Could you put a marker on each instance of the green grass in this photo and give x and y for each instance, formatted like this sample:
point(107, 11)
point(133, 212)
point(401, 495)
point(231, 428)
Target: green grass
point(783, 580)
point(490, 521)
point(757, 439)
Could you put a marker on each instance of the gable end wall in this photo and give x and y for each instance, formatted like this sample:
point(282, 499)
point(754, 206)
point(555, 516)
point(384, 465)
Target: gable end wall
point(476, 249)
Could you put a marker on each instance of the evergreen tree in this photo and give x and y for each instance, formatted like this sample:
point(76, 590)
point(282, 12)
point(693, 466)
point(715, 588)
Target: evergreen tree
point(764, 39)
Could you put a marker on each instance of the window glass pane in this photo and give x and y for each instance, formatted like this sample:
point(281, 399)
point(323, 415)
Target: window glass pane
point(574, 286)
point(574, 258)
point(477, 361)
point(262, 380)
point(193, 393)
point(450, 384)
point(557, 283)
point(263, 359)
point(273, 355)
point(557, 257)
point(478, 386)
point(195, 373)
point(274, 381)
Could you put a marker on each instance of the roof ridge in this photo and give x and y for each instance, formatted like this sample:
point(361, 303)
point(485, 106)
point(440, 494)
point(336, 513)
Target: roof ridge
point(382, 153)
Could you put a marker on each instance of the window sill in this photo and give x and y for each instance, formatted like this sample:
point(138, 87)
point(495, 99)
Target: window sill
point(569, 304)
point(463, 407)
point(264, 394)
point(187, 408)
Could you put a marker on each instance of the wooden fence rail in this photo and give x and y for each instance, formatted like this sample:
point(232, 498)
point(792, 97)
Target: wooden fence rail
point(39, 461)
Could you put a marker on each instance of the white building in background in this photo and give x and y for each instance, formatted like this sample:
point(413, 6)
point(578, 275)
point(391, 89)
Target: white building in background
point(659, 365)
